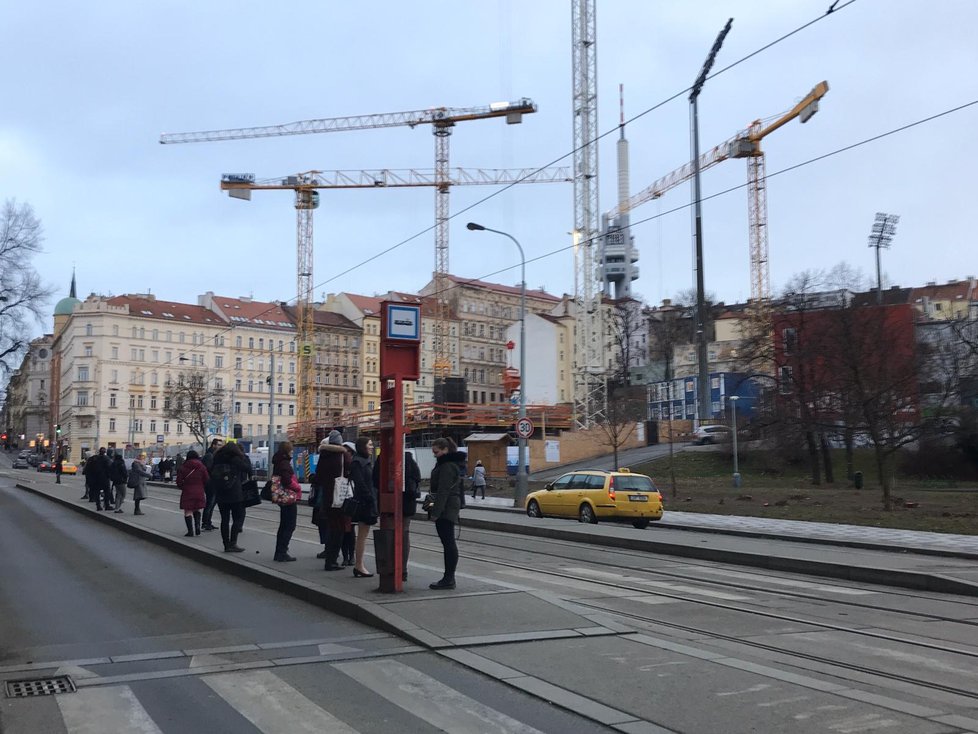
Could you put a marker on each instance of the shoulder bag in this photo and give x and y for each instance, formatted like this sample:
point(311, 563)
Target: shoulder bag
point(342, 491)
point(249, 491)
point(282, 495)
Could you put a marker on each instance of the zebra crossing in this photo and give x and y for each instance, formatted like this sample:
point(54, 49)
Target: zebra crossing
point(305, 702)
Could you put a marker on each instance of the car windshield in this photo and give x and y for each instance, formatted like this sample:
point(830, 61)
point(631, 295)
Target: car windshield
point(634, 483)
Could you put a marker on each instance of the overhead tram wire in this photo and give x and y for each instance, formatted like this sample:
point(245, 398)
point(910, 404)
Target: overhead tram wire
point(832, 11)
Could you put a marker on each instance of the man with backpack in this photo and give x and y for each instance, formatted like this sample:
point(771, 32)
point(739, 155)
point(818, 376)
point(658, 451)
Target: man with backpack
point(119, 475)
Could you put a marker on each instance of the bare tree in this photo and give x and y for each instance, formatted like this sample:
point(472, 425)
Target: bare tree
point(626, 407)
point(23, 298)
point(196, 401)
point(626, 324)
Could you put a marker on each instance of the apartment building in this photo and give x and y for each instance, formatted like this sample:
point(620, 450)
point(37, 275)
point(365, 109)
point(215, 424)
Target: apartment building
point(28, 415)
point(364, 313)
point(549, 375)
point(255, 334)
point(483, 312)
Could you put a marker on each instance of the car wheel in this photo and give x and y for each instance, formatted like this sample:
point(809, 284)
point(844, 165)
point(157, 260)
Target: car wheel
point(533, 509)
point(586, 515)
point(640, 524)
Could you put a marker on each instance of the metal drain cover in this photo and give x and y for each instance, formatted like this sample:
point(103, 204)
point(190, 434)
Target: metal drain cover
point(40, 686)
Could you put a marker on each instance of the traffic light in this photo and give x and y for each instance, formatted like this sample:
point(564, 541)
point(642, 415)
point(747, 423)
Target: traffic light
point(57, 430)
point(3, 436)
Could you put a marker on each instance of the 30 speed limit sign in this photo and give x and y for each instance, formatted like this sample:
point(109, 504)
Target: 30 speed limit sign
point(524, 428)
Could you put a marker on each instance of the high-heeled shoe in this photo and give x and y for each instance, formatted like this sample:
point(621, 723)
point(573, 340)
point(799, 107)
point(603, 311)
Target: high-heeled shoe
point(362, 574)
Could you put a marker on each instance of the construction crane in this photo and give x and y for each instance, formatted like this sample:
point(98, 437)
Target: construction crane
point(590, 393)
point(307, 184)
point(745, 144)
point(442, 120)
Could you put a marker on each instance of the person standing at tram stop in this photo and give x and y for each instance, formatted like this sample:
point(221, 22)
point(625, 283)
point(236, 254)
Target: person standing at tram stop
point(479, 479)
point(231, 469)
point(192, 478)
point(364, 492)
point(208, 461)
point(119, 476)
point(334, 462)
point(409, 503)
point(446, 490)
point(282, 468)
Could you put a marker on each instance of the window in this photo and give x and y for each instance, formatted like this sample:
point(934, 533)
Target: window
point(260, 406)
point(291, 388)
point(155, 355)
point(112, 425)
point(785, 380)
point(88, 350)
point(152, 426)
point(261, 344)
point(152, 403)
point(291, 368)
point(139, 402)
point(251, 407)
point(291, 409)
point(251, 342)
point(179, 427)
point(82, 398)
point(280, 409)
point(112, 400)
point(790, 339)
point(237, 384)
point(237, 408)
point(156, 335)
point(115, 330)
point(251, 385)
point(83, 374)
point(237, 363)
point(251, 364)
point(89, 330)
point(115, 352)
point(154, 379)
point(218, 361)
point(166, 426)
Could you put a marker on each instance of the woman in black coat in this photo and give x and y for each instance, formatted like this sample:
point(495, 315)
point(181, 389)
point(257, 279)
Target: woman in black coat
point(364, 492)
point(230, 470)
point(334, 462)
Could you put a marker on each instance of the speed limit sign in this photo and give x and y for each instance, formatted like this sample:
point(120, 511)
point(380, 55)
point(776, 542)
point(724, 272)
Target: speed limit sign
point(524, 428)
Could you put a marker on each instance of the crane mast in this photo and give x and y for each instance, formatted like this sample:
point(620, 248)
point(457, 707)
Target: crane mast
point(589, 377)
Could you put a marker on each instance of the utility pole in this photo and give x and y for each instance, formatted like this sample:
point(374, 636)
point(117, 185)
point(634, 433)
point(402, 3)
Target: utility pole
point(703, 380)
point(271, 408)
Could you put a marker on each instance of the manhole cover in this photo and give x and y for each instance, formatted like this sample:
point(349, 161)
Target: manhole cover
point(39, 687)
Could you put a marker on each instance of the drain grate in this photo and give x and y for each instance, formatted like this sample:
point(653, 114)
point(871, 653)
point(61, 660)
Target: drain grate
point(39, 687)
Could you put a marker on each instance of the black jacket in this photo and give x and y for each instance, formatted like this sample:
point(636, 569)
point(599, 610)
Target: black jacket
point(240, 470)
point(446, 486)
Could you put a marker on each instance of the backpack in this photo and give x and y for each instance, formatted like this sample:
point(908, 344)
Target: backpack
point(224, 479)
point(133, 480)
point(461, 487)
point(118, 472)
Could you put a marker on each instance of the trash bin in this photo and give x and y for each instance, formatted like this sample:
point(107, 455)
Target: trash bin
point(857, 479)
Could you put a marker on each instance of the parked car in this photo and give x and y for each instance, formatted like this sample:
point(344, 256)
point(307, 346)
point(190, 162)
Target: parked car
point(21, 463)
point(592, 494)
point(33, 459)
point(711, 434)
point(45, 466)
point(68, 468)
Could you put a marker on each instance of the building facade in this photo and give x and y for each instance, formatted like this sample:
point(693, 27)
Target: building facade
point(28, 418)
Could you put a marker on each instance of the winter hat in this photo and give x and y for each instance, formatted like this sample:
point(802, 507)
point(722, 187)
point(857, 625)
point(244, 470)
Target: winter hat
point(335, 438)
point(350, 445)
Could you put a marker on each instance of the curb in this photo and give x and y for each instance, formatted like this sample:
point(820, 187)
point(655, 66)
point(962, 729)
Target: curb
point(864, 574)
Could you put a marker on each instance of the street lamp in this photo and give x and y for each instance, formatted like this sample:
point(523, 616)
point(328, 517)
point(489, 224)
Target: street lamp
point(521, 478)
point(733, 413)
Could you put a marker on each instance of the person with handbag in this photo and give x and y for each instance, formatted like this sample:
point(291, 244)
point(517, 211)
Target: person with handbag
point(288, 505)
point(364, 512)
point(192, 479)
point(332, 473)
point(230, 470)
point(446, 503)
point(412, 491)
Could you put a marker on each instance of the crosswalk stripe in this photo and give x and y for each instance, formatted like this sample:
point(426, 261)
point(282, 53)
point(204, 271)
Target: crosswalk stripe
point(100, 710)
point(431, 700)
point(274, 706)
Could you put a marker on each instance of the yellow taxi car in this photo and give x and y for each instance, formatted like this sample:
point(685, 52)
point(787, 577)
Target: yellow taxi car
point(68, 468)
point(593, 494)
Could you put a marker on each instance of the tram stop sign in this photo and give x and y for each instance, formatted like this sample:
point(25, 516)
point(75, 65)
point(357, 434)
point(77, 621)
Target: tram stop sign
point(524, 428)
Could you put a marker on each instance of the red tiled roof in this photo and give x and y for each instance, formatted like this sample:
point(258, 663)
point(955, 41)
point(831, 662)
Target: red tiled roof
point(325, 318)
point(499, 288)
point(150, 308)
point(956, 291)
point(242, 311)
point(367, 305)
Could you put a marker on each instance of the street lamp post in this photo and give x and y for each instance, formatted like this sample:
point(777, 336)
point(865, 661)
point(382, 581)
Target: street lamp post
point(733, 417)
point(521, 478)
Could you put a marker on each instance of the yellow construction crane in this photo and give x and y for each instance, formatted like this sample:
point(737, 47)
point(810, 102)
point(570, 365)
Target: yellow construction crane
point(442, 120)
point(307, 184)
point(746, 144)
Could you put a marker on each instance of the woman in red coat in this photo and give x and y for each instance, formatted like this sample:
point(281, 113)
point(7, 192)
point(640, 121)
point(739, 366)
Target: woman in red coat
point(191, 479)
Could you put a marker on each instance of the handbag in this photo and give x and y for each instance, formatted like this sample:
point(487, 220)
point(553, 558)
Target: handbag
point(342, 491)
point(266, 491)
point(428, 502)
point(249, 493)
point(350, 507)
point(282, 495)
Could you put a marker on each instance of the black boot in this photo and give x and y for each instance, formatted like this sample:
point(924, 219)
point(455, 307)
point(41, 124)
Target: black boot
point(137, 511)
point(197, 522)
point(232, 546)
point(190, 526)
point(444, 583)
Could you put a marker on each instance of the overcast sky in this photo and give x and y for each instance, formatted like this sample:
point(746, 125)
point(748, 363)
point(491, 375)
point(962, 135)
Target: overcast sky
point(89, 87)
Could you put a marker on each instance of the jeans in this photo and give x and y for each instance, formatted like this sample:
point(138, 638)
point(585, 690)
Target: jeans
point(232, 520)
point(446, 533)
point(120, 494)
point(211, 500)
point(286, 526)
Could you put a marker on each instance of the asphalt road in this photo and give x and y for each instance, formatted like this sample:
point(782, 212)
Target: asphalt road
point(159, 643)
